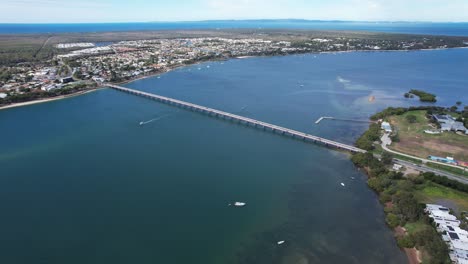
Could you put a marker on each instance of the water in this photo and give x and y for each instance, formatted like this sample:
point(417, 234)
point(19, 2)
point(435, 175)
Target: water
point(454, 29)
point(82, 182)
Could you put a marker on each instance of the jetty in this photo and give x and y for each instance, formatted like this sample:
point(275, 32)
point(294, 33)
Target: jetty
point(243, 120)
point(343, 119)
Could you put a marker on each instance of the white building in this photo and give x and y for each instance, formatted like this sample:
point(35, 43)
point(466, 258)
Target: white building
point(3, 95)
point(386, 126)
point(455, 237)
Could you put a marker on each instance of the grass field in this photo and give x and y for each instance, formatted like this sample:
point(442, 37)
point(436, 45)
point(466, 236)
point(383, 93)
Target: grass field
point(435, 193)
point(415, 142)
point(448, 169)
point(415, 226)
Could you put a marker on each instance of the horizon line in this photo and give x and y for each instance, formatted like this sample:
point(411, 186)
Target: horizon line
point(241, 20)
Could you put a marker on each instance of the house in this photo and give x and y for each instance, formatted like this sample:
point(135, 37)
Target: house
point(449, 226)
point(397, 167)
point(448, 123)
point(387, 127)
point(67, 80)
point(3, 95)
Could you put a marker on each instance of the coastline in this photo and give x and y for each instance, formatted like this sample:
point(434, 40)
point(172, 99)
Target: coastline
point(199, 62)
point(40, 101)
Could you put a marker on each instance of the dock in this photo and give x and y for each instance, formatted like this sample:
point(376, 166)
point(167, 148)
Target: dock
point(342, 119)
point(243, 120)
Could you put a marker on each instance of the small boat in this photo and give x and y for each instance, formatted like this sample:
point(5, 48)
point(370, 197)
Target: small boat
point(239, 204)
point(342, 184)
point(280, 242)
point(141, 123)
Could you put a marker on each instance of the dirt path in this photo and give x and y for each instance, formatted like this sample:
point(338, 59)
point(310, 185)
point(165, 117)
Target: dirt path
point(413, 255)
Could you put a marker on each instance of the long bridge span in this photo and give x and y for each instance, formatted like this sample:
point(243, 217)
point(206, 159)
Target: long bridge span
point(244, 120)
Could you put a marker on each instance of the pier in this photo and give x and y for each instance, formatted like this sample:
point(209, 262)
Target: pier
point(342, 119)
point(243, 120)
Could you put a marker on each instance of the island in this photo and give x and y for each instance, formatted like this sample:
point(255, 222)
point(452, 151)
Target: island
point(423, 96)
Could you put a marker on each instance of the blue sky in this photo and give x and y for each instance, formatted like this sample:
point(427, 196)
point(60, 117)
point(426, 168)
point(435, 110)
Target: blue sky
point(61, 11)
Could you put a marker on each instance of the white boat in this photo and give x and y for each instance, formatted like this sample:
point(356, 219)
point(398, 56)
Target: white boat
point(280, 242)
point(239, 204)
point(141, 123)
point(342, 184)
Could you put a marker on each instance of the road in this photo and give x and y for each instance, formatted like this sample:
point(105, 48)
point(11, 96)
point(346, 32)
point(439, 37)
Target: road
point(387, 141)
point(425, 168)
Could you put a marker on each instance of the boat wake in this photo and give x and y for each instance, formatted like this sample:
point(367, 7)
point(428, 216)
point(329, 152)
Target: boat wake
point(142, 123)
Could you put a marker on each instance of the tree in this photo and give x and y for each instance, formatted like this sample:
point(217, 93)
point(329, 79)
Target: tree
point(395, 138)
point(459, 102)
point(375, 184)
point(392, 220)
point(453, 108)
point(411, 118)
point(407, 206)
point(387, 158)
point(405, 242)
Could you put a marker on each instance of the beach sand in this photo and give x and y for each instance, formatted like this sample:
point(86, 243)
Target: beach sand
point(47, 100)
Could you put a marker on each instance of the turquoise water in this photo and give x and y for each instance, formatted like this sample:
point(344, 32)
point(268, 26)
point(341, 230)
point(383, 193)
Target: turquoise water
point(82, 182)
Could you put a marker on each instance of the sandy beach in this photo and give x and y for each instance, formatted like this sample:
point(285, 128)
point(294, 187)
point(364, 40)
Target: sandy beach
point(48, 99)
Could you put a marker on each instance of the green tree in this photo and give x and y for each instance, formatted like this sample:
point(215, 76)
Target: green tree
point(392, 220)
point(387, 158)
point(411, 118)
point(406, 242)
point(407, 205)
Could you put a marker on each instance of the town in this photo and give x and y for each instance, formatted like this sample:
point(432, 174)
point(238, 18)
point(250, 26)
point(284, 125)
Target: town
point(85, 65)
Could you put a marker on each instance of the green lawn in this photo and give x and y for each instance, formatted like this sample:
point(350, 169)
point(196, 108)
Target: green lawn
point(415, 226)
point(432, 193)
point(453, 170)
point(415, 142)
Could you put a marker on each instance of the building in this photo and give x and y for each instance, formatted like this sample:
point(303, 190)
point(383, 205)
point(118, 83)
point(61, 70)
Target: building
point(386, 126)
point(3, 95)
point(449, 227)
point(397, 167)
point(67, 80)
point(448, 160)
point(448, 123)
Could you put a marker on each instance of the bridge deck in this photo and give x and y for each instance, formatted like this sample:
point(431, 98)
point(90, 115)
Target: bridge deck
point(256, 123)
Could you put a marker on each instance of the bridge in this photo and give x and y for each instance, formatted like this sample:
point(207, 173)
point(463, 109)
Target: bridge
point(243, 120)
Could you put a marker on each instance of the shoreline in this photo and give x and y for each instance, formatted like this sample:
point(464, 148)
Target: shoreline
point(200, 62)
point(40, 101)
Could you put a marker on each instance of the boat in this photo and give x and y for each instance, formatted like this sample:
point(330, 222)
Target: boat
point(280, 242)
point(141, 123)
point(239, 204)
point(342, 184)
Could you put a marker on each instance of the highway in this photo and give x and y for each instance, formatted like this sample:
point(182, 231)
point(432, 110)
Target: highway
point(424, 168)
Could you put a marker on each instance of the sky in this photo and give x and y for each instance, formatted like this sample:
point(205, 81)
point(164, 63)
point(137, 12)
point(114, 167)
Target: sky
point(79, 11)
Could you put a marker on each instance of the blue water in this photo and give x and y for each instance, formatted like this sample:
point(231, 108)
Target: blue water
point(454, 29)
point(82, 182)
